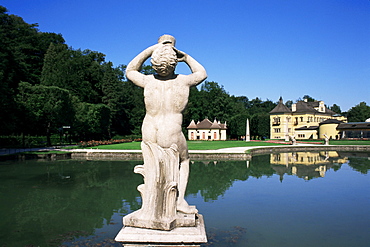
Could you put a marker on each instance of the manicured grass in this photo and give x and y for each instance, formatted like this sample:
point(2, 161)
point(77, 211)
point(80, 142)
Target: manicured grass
point(194, 145)
point(120, 146)
point(213, 145)
point(348, 142)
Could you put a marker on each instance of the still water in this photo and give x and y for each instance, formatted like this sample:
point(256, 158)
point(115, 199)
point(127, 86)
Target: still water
point(286, 199)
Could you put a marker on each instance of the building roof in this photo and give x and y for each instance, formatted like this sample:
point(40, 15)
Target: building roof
point(281, 108)
point(310, 107)
point(305, 107)
point(354, 126)
point(331, 121)
point(192, 125)
point(302, 107)
point(308, 128)
point(206, 124)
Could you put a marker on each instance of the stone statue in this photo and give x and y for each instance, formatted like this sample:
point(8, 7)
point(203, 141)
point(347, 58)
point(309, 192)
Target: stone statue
point(164, 147)
point(326, 139)
point(294, 141)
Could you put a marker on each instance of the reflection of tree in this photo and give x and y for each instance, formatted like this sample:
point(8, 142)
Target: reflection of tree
point(213, 179)
point(65, 197)
point(359, 164)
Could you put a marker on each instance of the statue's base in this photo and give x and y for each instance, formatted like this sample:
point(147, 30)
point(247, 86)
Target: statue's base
point(184, 236)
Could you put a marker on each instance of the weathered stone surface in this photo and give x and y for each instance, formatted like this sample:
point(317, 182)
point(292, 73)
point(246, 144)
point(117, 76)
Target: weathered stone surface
point(159, 191)
point(185, 235)
point(164, 147)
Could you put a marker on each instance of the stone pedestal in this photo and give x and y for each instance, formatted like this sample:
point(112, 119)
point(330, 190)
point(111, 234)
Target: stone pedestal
point(188, 236)
point(158, 221)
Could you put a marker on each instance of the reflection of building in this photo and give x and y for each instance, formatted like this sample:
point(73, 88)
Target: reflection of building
point(305, 165)
point(206, 130)
point(303, 120)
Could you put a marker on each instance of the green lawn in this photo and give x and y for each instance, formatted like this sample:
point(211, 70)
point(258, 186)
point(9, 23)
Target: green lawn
point(349, 142)
point(212, 145)
point(193, 145)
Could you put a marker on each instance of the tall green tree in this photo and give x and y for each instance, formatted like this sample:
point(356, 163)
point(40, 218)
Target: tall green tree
point(48, 107)
point(22, 49)
point(359, 113)
point(113, 97)
point(80, 72)
point(336, 108)
point(92, 121)
point(308, 98)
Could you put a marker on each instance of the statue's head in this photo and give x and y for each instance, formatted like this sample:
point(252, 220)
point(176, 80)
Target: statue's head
point(164, 60)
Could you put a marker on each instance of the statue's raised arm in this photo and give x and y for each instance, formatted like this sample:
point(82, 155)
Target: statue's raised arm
point(133, 68)
point(199, 73)
point(164, 60)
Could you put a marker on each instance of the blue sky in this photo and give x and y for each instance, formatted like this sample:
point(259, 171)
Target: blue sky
point(265, 48)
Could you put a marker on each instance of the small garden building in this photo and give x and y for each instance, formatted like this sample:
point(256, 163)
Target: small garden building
point(206, 130)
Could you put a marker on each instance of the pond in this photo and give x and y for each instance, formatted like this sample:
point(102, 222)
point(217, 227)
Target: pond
point(285, 199)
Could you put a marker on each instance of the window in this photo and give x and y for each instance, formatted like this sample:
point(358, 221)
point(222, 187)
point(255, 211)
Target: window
point(277, 130)
point(276, 121)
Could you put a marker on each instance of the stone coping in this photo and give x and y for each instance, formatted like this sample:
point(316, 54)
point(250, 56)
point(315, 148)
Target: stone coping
point(238, 153)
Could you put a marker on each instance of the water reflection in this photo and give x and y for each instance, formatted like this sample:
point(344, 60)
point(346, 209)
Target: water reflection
point(306, 165)
point(73, 202)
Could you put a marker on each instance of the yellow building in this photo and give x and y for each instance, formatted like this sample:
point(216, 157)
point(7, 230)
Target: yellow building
point(303, 121)
point(206, 130)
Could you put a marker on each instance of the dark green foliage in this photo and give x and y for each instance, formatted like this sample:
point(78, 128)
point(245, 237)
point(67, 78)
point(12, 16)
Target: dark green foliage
point(45, 108)
point(92, 121)
point(22, 48)
point(359, 113)
point(335, 108)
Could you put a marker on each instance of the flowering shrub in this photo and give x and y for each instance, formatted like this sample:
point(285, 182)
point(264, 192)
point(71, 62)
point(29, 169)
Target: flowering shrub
point(107, 142)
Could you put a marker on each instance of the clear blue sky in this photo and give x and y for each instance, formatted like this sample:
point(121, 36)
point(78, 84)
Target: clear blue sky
point(265, 48)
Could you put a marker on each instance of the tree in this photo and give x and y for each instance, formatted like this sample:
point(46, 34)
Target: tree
point(309, 98)
point(289, 104)
point(359, 113)
point(113, 97)
point(48, 107)
point(80, 72)
point(22, 49)
point(92, 121)
point(335, 108)
point(260, 125)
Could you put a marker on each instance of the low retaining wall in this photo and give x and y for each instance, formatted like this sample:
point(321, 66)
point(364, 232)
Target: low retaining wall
point(50, 156)
point(223, 156)
point(107, 155)
point(193, 156)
